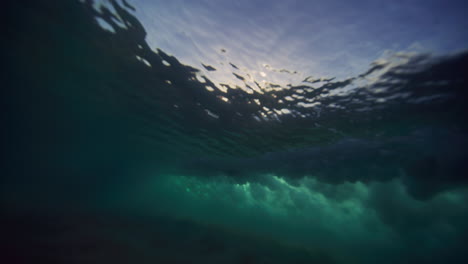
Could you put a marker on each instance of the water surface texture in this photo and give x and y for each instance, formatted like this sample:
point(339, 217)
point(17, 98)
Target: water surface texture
point(138, 131)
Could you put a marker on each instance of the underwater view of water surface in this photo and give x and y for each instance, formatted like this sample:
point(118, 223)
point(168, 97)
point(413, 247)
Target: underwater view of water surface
point(243, 132)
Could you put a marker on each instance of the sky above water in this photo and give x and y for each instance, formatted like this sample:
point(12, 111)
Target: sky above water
point(284, 42)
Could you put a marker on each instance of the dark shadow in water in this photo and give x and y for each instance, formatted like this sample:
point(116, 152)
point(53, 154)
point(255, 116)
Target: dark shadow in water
point(42, 236)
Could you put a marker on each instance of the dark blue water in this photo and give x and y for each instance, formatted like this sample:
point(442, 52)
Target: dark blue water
point(115, 151)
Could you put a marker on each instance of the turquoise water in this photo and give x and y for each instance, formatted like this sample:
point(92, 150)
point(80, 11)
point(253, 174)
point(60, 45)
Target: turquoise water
point(115, 151)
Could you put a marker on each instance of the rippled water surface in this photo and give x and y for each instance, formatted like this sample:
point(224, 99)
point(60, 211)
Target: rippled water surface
point(234, 132)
